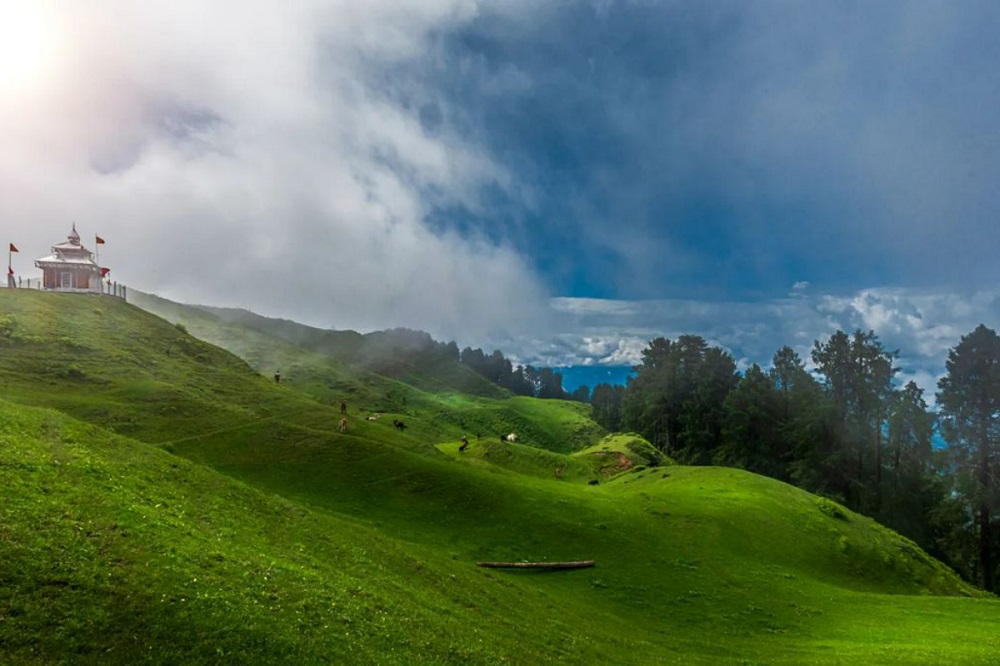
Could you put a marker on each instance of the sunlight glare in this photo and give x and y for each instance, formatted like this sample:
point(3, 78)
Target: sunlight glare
point(27, 45)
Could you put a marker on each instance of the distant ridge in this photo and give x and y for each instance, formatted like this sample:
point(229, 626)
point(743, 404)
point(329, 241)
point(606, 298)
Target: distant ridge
point(410, 356)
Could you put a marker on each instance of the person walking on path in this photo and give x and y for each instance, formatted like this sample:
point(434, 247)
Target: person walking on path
point(465, 443)
point(277, 376)
point(343, 424)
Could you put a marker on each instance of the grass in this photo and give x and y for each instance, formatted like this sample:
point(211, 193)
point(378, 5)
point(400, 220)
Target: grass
point(165, 503)
point(118, 552)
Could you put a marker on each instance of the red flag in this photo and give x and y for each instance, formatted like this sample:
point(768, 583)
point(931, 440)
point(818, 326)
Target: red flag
point(100, 241)
point(13, 248)
point(105, 271)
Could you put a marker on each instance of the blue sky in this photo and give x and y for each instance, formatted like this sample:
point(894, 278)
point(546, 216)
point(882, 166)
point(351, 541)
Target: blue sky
point(561, 180)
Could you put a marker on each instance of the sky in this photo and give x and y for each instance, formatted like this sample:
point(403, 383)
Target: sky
point(563, 181)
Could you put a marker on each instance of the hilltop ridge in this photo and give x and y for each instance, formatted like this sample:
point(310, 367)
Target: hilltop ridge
point(410, 356)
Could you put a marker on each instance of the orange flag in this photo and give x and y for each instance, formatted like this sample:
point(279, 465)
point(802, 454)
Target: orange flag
point(13, 248)
point(100, 241)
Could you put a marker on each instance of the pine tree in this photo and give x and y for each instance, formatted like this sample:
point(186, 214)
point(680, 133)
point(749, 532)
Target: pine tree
point(969, 401)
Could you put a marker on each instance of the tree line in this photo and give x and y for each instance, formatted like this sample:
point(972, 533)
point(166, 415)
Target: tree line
point(520, 379)
point(846, 430)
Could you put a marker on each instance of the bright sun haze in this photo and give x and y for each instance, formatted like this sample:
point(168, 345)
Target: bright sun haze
point(27, 45)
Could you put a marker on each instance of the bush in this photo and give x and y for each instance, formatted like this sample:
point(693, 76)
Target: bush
point(646, 453)
point(8, 325)
point(831, 508)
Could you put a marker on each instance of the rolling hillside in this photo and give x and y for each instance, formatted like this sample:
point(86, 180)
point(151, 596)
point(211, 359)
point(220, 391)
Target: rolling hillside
point(411, 357)
point(163, 502)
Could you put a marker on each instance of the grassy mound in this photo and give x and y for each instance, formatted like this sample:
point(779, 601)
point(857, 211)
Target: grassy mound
point(620, 453)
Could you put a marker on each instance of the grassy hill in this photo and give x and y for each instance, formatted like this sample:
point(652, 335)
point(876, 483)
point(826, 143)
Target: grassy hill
point(412, 357)
point(162, 502)
point(421, 388)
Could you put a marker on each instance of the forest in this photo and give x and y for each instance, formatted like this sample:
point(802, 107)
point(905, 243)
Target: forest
point(844, 430)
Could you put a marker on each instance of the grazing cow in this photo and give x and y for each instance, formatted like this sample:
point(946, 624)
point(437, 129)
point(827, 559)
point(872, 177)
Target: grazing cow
point(399, 424)
point(343, 424)
point(373, 417)
point(512, 437)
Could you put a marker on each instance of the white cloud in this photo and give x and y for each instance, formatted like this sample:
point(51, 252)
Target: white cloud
point(921, 324)
point(249, 154)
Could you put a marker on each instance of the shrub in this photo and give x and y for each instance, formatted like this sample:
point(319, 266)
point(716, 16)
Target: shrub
point(646, 453)
point(831, 508)
point(8, 325)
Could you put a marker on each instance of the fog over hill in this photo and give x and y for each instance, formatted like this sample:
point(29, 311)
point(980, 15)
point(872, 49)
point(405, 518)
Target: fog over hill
point(599, 339)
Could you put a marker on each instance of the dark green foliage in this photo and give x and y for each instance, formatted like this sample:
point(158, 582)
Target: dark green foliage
point(858, 373)
point(522, 380)
point(911, 486)
point(752, 427)
point(969, 400)
point(676, 398)
point(606, 402)
point(550, 384)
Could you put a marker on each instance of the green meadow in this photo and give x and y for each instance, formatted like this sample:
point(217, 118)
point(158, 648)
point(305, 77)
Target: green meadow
point(165, 501)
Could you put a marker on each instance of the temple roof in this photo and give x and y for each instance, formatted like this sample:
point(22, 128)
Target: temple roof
point(71, 252)
point(64, 259)
point(72, 243)
point(70, 248)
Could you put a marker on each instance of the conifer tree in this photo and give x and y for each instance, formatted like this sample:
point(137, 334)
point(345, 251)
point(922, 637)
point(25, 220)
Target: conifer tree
point(969, 401)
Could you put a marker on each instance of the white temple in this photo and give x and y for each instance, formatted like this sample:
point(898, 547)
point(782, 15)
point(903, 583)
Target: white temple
point(70, 267)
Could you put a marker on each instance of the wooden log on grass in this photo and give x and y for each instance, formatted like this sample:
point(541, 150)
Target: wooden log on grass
point(537, 565)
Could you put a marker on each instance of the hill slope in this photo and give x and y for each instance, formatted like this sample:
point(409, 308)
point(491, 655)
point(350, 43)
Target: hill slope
point(361, 545)
point(411, 357)
point(115, 552)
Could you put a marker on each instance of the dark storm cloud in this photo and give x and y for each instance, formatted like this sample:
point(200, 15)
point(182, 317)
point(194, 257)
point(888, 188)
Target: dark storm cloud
point(681, 148)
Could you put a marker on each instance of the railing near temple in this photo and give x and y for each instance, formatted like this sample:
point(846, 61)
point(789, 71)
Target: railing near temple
point(107, 288)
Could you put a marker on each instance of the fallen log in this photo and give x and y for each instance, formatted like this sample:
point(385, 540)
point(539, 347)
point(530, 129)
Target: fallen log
point(537, 565)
